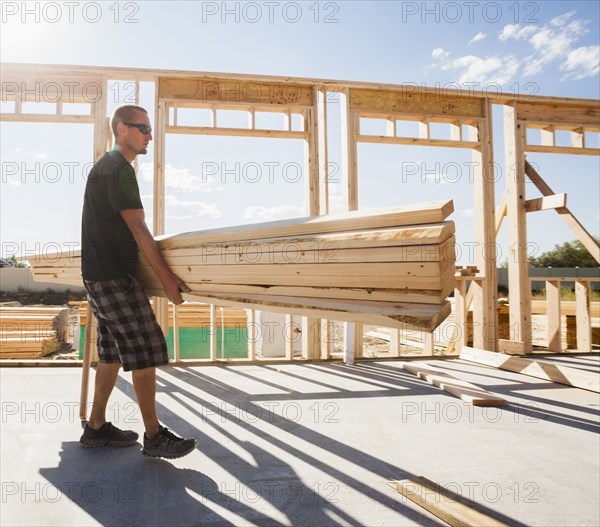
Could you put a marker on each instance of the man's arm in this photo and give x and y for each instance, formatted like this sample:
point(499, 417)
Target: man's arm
point(173, 285)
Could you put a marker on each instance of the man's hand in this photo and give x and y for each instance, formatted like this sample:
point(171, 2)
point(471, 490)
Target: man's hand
point(173, 287)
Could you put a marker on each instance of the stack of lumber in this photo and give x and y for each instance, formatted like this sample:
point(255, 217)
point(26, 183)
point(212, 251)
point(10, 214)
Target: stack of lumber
point(192, 315)
point(393, 267)
point(28, 332)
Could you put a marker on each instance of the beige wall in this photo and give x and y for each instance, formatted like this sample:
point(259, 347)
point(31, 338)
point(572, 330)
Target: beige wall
point(15, 279)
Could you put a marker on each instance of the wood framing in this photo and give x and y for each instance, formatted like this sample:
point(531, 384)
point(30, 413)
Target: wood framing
point(466, 114)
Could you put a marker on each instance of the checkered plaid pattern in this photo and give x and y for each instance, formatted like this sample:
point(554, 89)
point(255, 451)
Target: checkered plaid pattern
point(127, 328)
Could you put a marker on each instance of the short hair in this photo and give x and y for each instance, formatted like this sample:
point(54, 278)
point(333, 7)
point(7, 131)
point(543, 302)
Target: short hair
point(124, 114)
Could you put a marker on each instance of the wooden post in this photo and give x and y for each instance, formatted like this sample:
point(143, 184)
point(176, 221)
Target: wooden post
point(460, 315)
point(350, 127)
point(291, 337)
point(251, 328)
point(311, 327)
point(213, 333)
point(518, 280)
point(175, 334)
point(395, 343)
point(87, 360)
point(582, 316)
point(428, 342)
point(485, 292)
point(553, 315)
point(160, 304)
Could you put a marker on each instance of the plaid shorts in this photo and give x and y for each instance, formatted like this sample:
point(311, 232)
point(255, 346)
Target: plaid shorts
point(128, 332)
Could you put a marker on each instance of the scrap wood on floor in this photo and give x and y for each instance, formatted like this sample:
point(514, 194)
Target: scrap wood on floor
point(464, 390)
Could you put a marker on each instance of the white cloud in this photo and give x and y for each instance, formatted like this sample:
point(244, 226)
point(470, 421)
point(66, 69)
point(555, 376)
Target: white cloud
point(274, 213)
point(515, 31)
point(551, 43)
point(439, 53)
point(582, 62)
point(477, 38)
point(483, 70)
point(467, 213)
point(179, 178)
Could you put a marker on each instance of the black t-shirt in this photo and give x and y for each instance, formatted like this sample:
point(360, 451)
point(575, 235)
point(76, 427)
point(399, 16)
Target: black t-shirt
point(108, 249)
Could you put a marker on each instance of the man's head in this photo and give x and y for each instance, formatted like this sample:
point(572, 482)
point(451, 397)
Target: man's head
point(131, 126)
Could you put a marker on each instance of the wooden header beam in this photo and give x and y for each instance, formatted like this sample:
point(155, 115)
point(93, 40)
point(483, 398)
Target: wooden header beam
point(415, 101)
point(236, 91)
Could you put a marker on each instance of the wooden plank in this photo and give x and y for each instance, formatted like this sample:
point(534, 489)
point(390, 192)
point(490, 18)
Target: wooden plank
point(416, 141)
point(445, 504)
point(45, 118)
point(557, 113)
point(553, 310)
point(485, 291)
point(376, 275)
point(422, 213)
point(567, 307)
point(562, 150)
point(233, 90)
point(414, 100)
point(585, 380)
point(582, 234)
point(519, 307)
point(583, 320)
point(460, 316)
point(512, 347)
point(34, 86)
point(348, 128)
point(555, 201)
point(237, 132)
point(464, 390)
point(268, 253)
point(390, 314)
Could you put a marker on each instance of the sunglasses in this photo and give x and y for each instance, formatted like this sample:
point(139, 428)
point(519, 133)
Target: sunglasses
point(144, 128)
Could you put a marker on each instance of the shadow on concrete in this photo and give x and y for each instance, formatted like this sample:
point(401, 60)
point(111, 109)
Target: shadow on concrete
point(121, 487)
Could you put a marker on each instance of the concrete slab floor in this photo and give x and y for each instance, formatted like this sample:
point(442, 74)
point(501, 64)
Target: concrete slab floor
point(300, 445)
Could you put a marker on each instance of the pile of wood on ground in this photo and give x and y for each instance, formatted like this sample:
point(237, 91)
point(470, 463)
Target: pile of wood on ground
point(392, 267)
point(30, 332)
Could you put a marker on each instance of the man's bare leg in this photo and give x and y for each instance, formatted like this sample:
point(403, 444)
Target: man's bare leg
point(144, 383)
point(106, 377)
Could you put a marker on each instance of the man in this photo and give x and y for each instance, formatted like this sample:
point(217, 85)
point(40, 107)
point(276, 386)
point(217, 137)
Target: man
point(113, 229)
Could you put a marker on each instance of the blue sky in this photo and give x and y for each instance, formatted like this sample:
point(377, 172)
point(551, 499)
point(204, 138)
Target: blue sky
point(548, 48)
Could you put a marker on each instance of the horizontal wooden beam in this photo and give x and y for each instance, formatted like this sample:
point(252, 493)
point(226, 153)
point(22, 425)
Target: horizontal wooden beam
point(417, 141)
point(586, 380)
point(553, 201)
point(562, 150)
point(415, 100)
point(237, 132)
point(537, 112)
point(331, 85)
point(45, 118)
point(217, 90)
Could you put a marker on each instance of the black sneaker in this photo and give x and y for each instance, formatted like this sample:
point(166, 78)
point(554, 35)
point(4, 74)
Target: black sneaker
point(166, 444)
point(107, 435)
